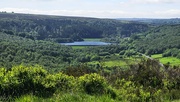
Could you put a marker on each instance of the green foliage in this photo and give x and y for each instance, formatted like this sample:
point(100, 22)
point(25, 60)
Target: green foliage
point(149, 73)
point(15, 50)
point(146, 81)
point(21, 77)
point(93, 83)
point(65, 82)
point(128, 91)
point(33, 79)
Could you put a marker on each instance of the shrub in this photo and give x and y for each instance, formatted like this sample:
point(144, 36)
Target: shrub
point(21, 79)
point(64, 82)
point(93, 83)
point(128, 91)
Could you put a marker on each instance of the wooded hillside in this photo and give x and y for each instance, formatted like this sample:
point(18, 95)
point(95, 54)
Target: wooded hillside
point(66, 29)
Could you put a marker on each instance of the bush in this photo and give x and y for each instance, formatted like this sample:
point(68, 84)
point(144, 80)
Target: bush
point(93, 84)
point(58, 81)
point(21, 79)
point(128, 91)
point(65, 82)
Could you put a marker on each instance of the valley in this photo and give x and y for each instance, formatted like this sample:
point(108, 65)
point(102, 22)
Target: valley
point(79, 59)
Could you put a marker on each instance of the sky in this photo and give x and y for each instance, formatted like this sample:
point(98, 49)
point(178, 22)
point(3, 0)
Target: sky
point(96, 8)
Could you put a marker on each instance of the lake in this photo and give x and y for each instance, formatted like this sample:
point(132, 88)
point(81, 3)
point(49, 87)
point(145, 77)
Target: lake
point(86, 43)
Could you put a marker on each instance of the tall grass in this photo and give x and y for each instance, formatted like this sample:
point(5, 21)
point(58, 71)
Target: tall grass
point(66, 97)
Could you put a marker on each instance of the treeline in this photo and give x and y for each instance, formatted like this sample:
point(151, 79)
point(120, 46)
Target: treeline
point(16, 50)
point(65, 29)
point(146, 81)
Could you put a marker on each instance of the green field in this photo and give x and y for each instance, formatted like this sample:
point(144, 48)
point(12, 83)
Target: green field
point(110, 63)
point(167, 60)
point(115, 63)
point(157, 56)
point(92, 39)
point(78, 47)
point(123, 62)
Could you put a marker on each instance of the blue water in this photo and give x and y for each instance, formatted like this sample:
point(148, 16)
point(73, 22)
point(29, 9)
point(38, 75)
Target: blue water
point(86, 43)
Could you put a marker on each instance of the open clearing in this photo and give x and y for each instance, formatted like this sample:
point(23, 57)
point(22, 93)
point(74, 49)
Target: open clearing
point(167, 60)
point(78, 47)
point(92, 39)
point(121, 62)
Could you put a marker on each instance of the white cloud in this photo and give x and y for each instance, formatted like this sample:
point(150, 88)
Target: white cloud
point(168, 13)
point(155, 1)
point(85, 13)
point(171, 13)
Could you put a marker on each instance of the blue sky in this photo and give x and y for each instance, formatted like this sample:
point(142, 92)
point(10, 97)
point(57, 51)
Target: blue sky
point(96, 8)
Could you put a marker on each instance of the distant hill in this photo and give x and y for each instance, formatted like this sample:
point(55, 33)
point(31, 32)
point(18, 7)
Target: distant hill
point(66, 29)
point(158, 40)
point(154, 21)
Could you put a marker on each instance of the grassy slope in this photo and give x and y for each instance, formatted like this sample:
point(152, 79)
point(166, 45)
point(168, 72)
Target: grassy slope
point(165, 60)
point(122, 62)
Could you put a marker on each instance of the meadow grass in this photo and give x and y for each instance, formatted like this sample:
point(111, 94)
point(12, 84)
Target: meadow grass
point(115, 63)
point(66, 97)
point(121, 62)
point(92, 39)
point(171, 60)
point(167, 60)
point(156, 56)
point(78, 47)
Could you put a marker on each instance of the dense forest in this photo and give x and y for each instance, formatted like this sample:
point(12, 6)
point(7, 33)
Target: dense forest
point(159, 40)
point(66, 29)
point(34, 66)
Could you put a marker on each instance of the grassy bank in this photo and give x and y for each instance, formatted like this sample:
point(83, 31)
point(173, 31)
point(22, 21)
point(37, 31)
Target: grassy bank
point(167, 60)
